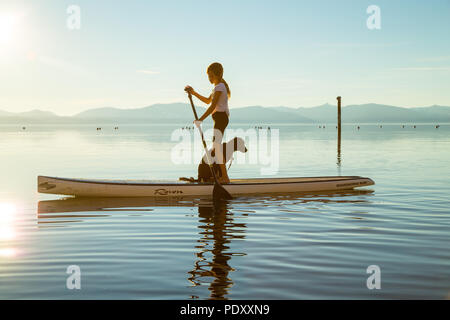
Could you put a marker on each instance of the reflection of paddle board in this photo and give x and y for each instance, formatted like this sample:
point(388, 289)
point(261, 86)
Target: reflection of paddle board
point(106, 205)
point(149, 188)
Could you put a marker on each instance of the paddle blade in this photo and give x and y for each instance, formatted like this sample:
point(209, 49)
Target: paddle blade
point(219, 193)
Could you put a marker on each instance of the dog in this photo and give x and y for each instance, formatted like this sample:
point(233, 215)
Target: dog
point(228, 149)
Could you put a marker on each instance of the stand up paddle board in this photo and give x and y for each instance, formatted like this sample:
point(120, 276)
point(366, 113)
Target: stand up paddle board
point(153, 188)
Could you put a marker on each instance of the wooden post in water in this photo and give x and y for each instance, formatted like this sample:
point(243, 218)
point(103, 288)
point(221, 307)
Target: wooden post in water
point(339, 131)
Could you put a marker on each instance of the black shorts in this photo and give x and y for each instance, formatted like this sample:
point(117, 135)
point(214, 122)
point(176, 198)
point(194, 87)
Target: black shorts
point(220, 123)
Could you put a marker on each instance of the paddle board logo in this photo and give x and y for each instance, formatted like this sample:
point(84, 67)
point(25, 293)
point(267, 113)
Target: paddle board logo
point(47, 186)
point(165, 192)
point(350, 184)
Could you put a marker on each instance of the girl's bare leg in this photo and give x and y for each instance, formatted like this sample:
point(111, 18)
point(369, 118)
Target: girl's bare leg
point(224, 178)
point(218, 159)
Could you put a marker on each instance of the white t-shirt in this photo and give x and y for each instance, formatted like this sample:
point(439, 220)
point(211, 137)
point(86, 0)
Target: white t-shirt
point(222, 104)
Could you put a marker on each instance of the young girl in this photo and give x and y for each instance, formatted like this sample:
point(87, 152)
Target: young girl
point(219, 110)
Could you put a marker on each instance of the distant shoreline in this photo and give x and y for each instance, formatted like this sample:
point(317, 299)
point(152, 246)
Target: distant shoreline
point(180, 113)
point(207, 123)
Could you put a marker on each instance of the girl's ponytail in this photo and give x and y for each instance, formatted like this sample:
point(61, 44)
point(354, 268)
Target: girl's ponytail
point(228, 88)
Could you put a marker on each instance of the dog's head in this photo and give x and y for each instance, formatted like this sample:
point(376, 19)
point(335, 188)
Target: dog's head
point(239, 145)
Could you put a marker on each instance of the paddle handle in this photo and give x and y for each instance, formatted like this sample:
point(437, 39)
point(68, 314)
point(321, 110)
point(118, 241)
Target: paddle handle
point(196, 118)
point(192, 105)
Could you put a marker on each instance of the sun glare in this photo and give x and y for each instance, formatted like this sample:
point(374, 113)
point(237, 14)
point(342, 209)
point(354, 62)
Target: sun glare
point(7, 212)
point(9, 25)
point(7, 253)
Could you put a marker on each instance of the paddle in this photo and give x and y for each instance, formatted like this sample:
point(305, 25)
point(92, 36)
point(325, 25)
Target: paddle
point(219, 192)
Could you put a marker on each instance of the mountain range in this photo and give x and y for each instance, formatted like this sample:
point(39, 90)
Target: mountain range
point(181, 113)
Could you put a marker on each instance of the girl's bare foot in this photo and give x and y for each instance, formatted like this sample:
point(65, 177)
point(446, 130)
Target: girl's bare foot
point(224, 176)
point(223, 180)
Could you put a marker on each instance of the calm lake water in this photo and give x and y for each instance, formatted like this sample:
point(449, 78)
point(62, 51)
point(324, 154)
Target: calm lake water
point(298, 246)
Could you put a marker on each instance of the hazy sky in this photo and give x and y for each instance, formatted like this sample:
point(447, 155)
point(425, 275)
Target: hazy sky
point(296, 53)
